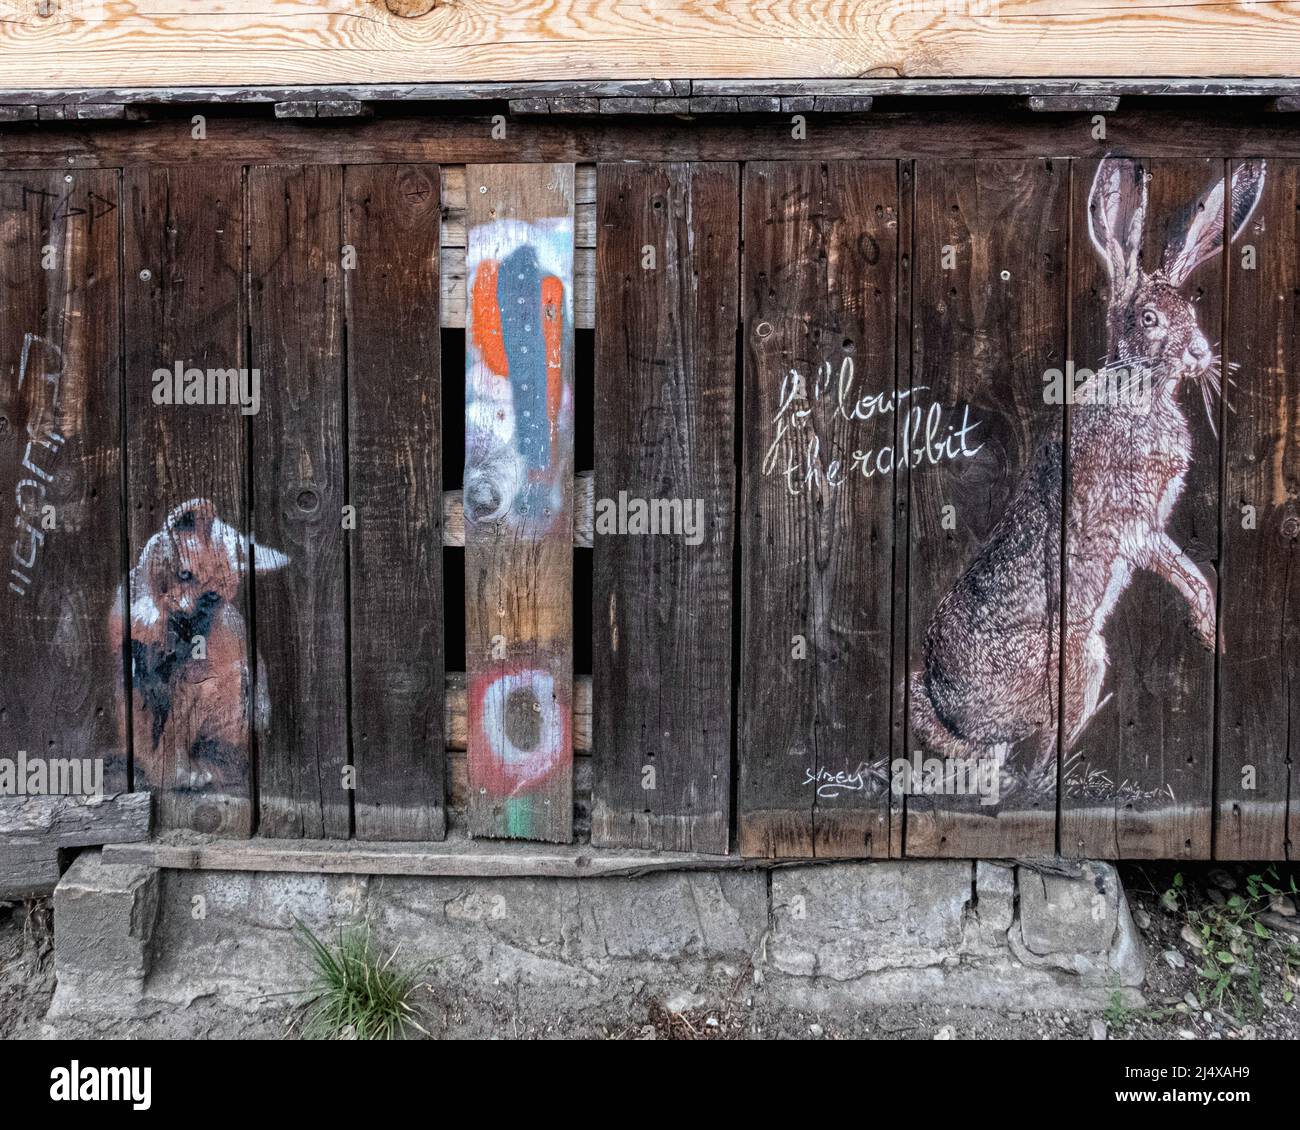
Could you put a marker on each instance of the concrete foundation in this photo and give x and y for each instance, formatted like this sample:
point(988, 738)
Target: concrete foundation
point(132, 939)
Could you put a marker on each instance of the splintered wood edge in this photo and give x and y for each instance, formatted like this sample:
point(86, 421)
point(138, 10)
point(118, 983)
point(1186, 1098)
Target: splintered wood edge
point(584, 488)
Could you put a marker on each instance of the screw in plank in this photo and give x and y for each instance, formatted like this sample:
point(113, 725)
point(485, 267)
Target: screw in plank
point(146, 275)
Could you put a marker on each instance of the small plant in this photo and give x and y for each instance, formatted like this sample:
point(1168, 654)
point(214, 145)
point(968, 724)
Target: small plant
point(1229, 973)
point(1118, 1013)
point(356, 995)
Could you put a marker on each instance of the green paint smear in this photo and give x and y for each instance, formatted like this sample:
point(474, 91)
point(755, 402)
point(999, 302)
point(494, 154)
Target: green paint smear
point(519, 818)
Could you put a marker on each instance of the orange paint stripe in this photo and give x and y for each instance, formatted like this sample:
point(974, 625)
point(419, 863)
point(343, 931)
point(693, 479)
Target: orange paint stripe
point(485, 315)
point(552, 325)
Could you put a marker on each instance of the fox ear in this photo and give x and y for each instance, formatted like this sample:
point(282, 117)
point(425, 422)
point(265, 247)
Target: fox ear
point(1205, 224)
point(235, 544)
point(266, 560)
point(196, 515)
point(1117, 215)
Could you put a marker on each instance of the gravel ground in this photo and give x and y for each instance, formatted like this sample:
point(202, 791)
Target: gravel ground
point(1181, 1002)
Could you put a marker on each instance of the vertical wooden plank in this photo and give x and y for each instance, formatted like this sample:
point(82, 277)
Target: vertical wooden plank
point(1257, 810)
point(1137, 766)
point(395, 482)
point(519, 500)
point(985, 495)
point(665, 421)
point(298, 496)
point(817, 528)
point(186, 495)
point(60, 488)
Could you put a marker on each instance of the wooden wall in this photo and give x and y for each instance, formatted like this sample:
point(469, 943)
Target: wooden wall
point(836, 345)
point(69, 43)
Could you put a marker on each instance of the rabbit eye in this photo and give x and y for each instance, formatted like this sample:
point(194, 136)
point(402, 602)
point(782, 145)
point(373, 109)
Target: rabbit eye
point(1149, 318)
point(185, 575)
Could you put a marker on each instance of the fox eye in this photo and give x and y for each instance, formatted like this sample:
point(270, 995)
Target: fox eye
point(1149, 318)
point(184, 575)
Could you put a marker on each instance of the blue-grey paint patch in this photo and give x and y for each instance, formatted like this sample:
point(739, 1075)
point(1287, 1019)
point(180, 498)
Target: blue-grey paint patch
point(519, 292)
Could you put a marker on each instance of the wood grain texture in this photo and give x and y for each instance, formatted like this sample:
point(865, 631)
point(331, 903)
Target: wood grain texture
point(147, 42)
point(82, 821)
point(1257, 803)
point(61, 676)
point(296, 318)
point(817, 531)
point(453, 512)
point(395, 480)
point(518, 490)
point(665, 423)
point(456, 856)
point(184, 304)
point(955, 130)
point(984, 562)
point(1137, 782)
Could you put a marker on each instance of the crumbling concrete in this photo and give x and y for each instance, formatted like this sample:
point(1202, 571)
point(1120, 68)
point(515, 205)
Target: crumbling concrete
point(833, 936)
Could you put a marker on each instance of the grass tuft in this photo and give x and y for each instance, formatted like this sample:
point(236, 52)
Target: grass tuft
point(355, 994)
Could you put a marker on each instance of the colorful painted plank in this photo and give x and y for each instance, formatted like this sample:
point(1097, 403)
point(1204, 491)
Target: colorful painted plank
point(1257, 802)
point(984, 463)
point(298, 492)
point(519, 500)
point(820, 267)
point(667, 263)
point(196, 684)
point(1142, 516)
point(60, 490)
point(395, 483)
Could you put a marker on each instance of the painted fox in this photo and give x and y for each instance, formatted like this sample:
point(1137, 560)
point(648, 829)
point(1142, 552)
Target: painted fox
point(190, 671)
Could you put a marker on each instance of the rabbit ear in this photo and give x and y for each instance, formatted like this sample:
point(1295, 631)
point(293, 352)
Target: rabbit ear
point(1204, 229)
point(1117, 213)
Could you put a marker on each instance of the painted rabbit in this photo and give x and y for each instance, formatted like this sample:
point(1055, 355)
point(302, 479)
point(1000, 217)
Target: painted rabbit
point(991, 650)
point(191, 704)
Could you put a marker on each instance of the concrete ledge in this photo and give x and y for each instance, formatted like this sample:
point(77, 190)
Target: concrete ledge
point(134, 940)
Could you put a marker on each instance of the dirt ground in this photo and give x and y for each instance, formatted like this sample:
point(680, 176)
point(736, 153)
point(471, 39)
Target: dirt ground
point(1246, 989)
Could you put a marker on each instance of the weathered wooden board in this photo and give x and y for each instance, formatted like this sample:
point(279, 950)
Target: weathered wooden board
point(186, 497)
point(1257, 803)
point(28, 870)
point(1137, 766)
point(961, 129)
point(817, 531)
point(62, 672)
point(81, 821)
point(150, 42)
point(395, 483)
point(984, 457)
point(298, 485)
point(453, 512)
point(667, 266)
point(519, 500)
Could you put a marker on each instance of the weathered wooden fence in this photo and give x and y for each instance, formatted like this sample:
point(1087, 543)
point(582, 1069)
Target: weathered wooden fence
point(872, 576)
